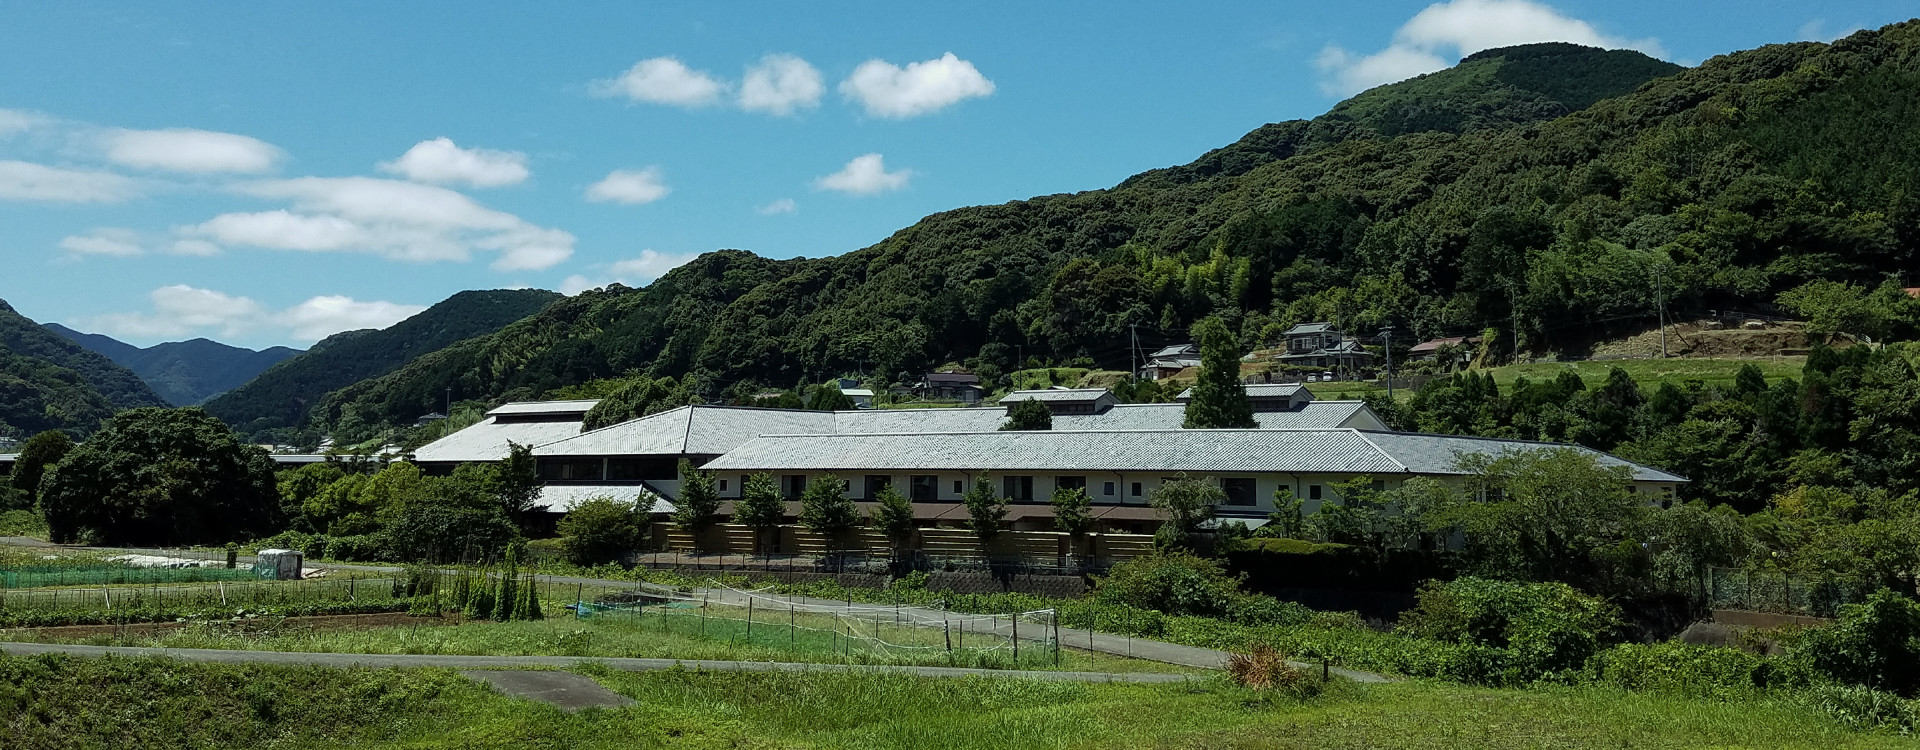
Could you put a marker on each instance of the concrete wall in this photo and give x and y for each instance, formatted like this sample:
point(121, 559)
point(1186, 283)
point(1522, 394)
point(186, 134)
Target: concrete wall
point(797, 540)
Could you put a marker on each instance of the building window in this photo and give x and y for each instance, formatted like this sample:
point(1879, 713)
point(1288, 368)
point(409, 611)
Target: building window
point(1136, 489)
point(1109, 489)
point(723, 485)
point(923, 488)
point(571, 469)
point(1018, 489)
point(956, 487)
point(793, 485)
point(632, 469)
point(1070, 483)
point(1313, 492)
point(1239, 490)
point(876, 483)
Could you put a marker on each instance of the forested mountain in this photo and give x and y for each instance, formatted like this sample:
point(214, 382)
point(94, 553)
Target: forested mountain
point(1735, 181)
point(182, 372)
point(279, 398)
point(48, 382)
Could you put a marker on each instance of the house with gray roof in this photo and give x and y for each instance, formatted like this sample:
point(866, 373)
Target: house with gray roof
point(1321, 345)
point(1268, 397)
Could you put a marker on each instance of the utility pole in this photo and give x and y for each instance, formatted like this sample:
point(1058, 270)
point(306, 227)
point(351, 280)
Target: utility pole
point(449, 411)
point(1133, 350)
point(1660, 303)
point(1387, 335)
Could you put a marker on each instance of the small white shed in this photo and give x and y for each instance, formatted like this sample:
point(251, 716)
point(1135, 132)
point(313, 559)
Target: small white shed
point(278, 564)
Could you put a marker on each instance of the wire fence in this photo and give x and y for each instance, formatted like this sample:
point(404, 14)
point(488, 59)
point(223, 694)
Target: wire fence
point(245, 593)
point(855, 632)
point(877, 563)
point(1783, 592)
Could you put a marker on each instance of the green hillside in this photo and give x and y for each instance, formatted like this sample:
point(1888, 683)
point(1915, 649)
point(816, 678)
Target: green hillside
point(48, 382)
point(1744, 177)
point(279, 398)
point(183, 372)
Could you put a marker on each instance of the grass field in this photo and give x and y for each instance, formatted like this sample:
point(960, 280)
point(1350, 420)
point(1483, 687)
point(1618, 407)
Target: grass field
point(1647, 372)
point(158, 703)
point(684, 635)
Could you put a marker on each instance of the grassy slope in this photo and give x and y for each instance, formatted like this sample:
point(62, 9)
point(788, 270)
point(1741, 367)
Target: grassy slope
point(156, 703)
point(1650, 373)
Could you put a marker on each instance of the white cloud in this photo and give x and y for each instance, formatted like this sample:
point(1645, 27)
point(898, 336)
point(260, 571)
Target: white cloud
point(780, 84)
point(781, 206)
point(1816, 31)
point(323, 316)
point(18, 121)
point(27, 181)
point(180, 310)
point(390, 218)
point(187, 150)
point(104, 241)
point(636, 271)
point(440, 161)
point(194, 247)
point(629, 186)
point(865, 175)
point(1459, 28)
point(663, 80)
point(887, 90)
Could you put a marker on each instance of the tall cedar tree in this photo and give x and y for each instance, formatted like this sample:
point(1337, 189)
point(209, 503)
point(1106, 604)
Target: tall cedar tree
point(893, 516)
point(38, 453)
point(825, 508)
point(985, 511)
point(1029, 415)
point(1219, 400)
point(698, 505)
point(760, 507)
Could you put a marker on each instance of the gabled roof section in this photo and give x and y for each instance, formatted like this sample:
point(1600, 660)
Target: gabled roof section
point(487, 441)
point(1308, 328)
point(1176, 351)
point(1058, 396)
point(1438, 454)
point(688, 430)
point(1265, 390)
point(529, 408)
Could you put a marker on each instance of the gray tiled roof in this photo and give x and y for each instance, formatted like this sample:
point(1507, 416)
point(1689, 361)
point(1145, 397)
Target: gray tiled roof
point(698, 430)
point(919, 420)
point(1265, 390)
point(1304, 451)
point(1057, 395)
point(487, 441)
point(1306, 328)
point(1328, 451)
point(1436, 454)
point(578, 406)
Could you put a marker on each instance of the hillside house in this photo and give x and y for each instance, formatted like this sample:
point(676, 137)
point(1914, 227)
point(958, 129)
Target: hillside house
point(1457, 349)
point(949, 386)
point(1169, 361)
point(1321, 345)
point(862, 398)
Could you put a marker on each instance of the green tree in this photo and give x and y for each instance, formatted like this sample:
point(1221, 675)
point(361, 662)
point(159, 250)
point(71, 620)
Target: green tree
point(1219, 398)
point(1188, 505)
point(161, 476)
point(1287, 520)
point(1876, 644)
point(985, 510)
point(638, 398)
point(1547, 515)
point(1880, 314)
point(698, 506)
point(893, 516)
point(827, 397)
point(36, 455)
point(1029, 414)
point(825, 508)
point(518, 481)
point(439, 519)
point(600, 530)
point(1071, 513)
point(760, 508)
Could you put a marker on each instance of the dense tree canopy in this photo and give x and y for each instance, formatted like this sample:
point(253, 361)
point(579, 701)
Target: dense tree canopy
point(161, 476)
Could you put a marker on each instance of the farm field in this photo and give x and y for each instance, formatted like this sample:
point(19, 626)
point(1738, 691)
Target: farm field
point(1647, 372)
point(684, 634)
point(159, 703)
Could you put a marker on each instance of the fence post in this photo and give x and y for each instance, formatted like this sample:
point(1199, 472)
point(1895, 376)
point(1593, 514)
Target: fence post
point(1016, 639)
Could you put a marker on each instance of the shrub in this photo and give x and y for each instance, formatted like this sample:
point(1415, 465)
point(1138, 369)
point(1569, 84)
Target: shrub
point(1539, 628)
point(599, 530)
point(825, 509)
point(1864, 708)
point(1875, 644)
point(1688, 669)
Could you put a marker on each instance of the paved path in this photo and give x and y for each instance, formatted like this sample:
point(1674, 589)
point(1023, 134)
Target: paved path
point(229, 656)
point(564, 689)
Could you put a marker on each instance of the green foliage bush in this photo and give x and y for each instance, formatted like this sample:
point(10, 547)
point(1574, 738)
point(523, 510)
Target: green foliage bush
point(1535, 629)
point(1874, 645)
point(599, 530)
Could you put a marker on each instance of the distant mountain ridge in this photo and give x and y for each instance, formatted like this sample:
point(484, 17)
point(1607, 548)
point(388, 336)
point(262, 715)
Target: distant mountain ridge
point(49, 382)
point(278, 399)
point(184, 373)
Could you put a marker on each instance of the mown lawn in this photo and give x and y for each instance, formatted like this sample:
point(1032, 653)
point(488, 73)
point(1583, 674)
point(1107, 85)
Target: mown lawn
point(57, 702)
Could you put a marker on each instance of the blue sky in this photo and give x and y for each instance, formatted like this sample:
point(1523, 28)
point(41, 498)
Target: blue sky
point(267, 174)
